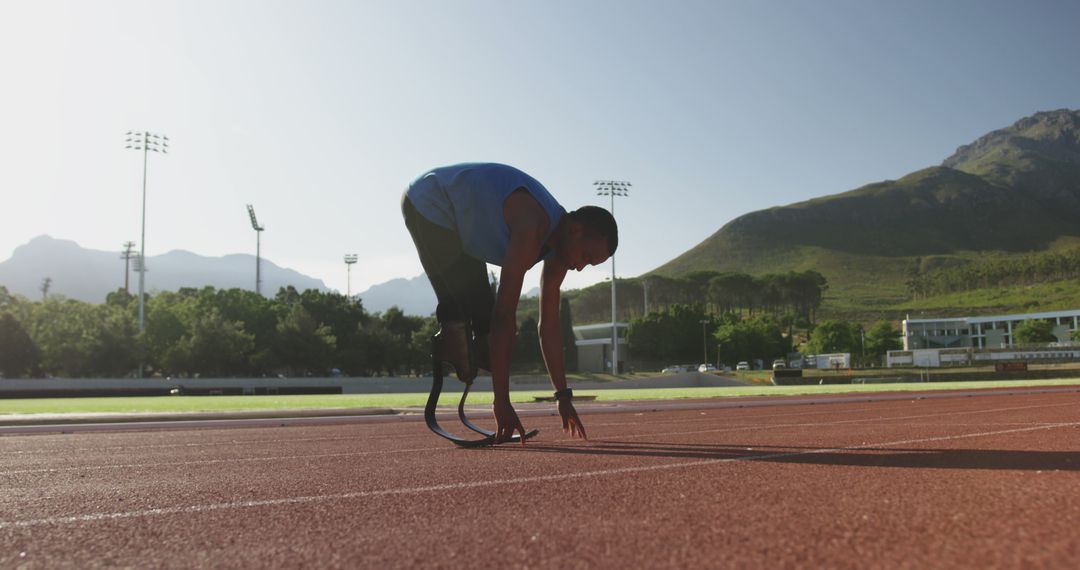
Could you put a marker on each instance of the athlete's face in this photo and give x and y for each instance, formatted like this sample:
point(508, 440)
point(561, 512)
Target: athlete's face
point(583, 249)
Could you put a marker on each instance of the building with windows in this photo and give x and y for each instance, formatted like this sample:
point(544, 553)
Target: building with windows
point(594, 347)
point(981, 332)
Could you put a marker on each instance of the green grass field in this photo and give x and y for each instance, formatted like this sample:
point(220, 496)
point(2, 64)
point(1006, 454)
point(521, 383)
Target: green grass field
point(192, 404)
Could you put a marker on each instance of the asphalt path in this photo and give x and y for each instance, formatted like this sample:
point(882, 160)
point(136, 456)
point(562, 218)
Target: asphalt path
point(983, 479)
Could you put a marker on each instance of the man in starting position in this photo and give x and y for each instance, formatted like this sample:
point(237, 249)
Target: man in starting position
point(464, 215)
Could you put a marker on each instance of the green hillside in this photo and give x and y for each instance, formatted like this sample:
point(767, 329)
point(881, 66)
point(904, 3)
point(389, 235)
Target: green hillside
point(1010, 195)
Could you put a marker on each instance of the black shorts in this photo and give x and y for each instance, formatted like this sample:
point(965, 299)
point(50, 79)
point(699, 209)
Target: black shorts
point(460, 280)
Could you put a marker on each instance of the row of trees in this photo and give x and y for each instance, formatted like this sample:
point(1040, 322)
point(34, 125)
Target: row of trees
point(233, 332)
point(227, 332)
point(997, 271)
point(685, 333)
point(794, 293)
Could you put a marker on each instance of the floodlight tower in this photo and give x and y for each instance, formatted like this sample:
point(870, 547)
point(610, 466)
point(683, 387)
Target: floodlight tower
point(350, 259)
point(258, 246)
point(613, 188)
point(146, 142)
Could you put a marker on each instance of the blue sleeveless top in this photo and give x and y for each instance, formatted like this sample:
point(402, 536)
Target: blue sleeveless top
point(468, 199)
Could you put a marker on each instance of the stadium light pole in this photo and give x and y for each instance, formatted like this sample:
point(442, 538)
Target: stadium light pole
point(258, 248)
point(613, 188)
point(147, 142)
point(350, 259)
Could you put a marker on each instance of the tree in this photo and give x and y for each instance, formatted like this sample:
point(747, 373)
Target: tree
point(566, 325)
point(119, 298)
point(834, 336)
point(401, 355)
point(61, 329)
point(1034, 331)
point(79, 339)
point(881, 338)
point(168, 318)
point(756, 338)
point(673, 335)
point(526, 353)
point(257, 314)
point(18, 354)
point(421, 342)
point(114, 348)
point(305, 346)
point(213, 347)
point(15, 305)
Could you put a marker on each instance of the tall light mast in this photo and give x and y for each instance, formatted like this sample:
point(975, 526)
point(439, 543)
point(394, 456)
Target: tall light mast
point(146, 142)
point(350, 259)
point(258, 247)
point(613, 188)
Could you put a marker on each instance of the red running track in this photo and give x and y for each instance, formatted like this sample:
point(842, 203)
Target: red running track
point(965, 482)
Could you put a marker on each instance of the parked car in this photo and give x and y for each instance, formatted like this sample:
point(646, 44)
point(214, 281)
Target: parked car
point(743, 365)
point(706, 368)
point(673, 369)
point(779, 364)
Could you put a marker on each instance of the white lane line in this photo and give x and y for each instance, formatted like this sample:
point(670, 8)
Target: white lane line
point(220, 461)
point(424, 434)
point(876, 421)
point(187, 445)
point(722, 413)
point(192, 509)
point(725, 429)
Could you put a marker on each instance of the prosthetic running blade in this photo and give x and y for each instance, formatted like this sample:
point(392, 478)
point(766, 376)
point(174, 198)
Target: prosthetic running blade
point(433, 423)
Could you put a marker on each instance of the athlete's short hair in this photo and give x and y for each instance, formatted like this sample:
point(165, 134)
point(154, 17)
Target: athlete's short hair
point(600, 222)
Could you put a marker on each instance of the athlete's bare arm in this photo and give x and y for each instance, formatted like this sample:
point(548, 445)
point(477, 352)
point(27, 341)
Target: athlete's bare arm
point(551, 342)
point(528, 223)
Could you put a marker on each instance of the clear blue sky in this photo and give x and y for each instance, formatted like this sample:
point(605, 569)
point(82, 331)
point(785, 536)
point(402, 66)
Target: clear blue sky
point(319, 113)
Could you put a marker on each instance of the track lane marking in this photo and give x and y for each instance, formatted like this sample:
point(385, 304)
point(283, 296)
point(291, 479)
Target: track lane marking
point(193, 509)
point(929, 398)
point(424, 434)
point(219, 461)
point(418, 435)
point(726, 429)
point(879, 420)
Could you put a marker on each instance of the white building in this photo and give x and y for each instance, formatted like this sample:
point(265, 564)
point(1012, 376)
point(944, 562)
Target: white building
point(981, 332)
point(934, 357)
point(594, 347)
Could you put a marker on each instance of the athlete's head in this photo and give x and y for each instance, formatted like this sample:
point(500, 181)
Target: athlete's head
point(592, 236)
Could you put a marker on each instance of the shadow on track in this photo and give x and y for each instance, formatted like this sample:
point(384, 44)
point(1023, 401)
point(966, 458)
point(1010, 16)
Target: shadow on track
point(862, 457)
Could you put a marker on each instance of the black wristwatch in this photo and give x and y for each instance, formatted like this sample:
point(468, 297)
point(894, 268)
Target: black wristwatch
point(565, 394)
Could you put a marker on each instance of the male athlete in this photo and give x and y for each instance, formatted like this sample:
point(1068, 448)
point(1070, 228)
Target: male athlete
point(464, 215)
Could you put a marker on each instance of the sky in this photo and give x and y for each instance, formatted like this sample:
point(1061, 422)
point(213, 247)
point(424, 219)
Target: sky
point(319, 113)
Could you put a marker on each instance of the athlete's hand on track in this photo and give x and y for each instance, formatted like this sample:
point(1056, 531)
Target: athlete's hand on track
point(571, 423)
point(508, 422)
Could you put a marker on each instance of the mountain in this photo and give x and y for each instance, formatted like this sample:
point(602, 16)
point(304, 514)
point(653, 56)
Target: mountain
point(413, 296)
point(1011, 192)
point(89, 275)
